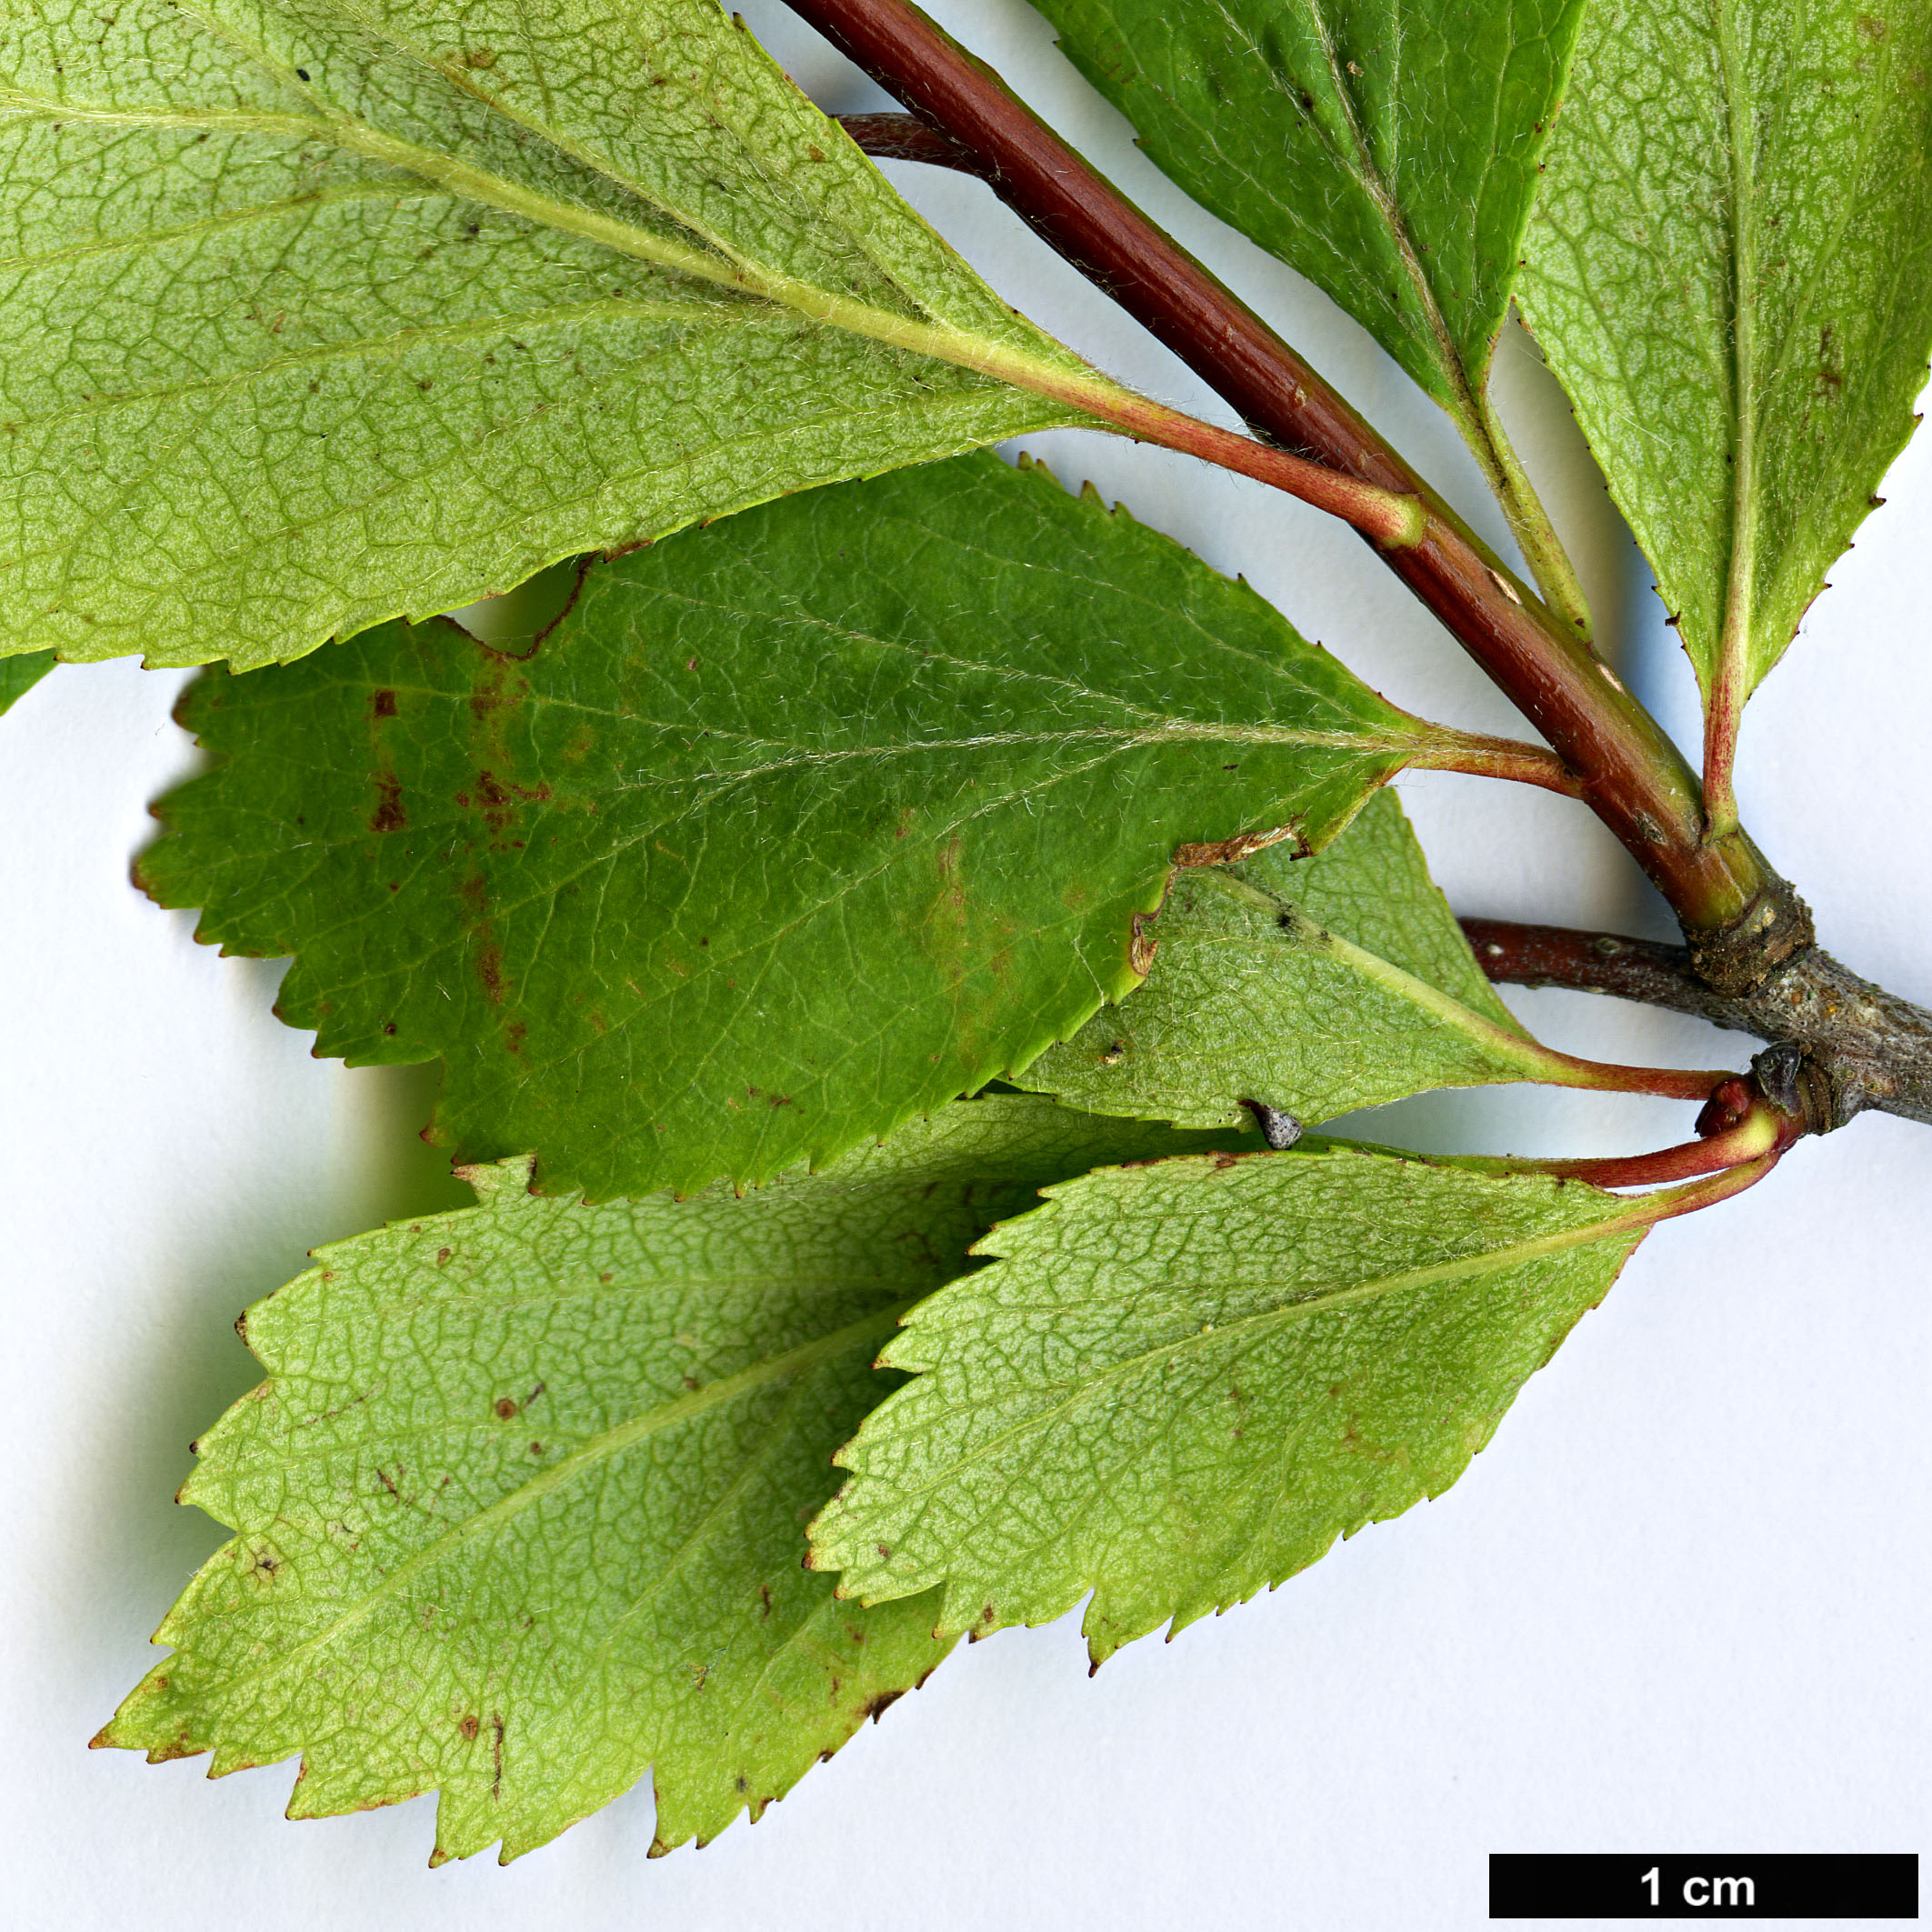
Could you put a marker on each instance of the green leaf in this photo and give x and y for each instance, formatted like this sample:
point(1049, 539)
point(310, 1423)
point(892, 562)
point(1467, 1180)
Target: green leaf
point(314, 315)
point(791, 828)
point(1182, 1383)
point(1731, 272)
point(1389, 153)
point(18, 675)
point(1312, 985)
point(520, 1510)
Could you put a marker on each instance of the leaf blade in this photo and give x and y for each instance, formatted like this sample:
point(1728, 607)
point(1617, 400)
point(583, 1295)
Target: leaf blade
point(410, 1606)
point(1779, 185)
point(327, 324)
point(793, 828)
point(1258, 1354)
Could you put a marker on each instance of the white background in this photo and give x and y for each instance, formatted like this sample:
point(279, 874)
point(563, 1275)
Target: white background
point(1678, 1605)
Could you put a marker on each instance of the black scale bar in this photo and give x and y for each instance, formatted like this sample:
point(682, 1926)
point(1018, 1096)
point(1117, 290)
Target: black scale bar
point(1645, 1885)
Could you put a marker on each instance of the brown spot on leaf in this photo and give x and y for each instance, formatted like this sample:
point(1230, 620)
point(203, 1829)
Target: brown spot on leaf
point(489, 969)
point(389, 815)
point(877, 1706)
point(506, 1407)
point(485, 700)
point(1831, 365)
point(382, 704)
point(469, 1727)
point(1141, 949)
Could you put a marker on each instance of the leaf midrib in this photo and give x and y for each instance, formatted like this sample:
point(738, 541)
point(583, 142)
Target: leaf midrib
point(1488, 1261)
point(749, 1464)
point(1509, 1046)
point(1731, 671)
point(600, 165)
point(1277, 1470)
point(1361, 167)
point(941, 341)
point(1155, 729)
point(599, 1450)
point(383, 33)
point(771, 943)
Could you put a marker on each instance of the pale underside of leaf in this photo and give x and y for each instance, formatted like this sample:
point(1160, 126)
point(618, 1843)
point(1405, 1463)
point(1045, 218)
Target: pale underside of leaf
point(520, 1511)
point(315, 316)
point(791, 828)
point(1181, 1384)
point(1386, 149)
point(1310, 986)
point(1731, 272)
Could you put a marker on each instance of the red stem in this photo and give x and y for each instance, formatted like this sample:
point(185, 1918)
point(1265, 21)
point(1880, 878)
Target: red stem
point(1385, 519)
point(1682, 1163)
point(1669, 1205)
point(1632, 776)
point(905, 137)
point(1556, 955)
point(1741, 1132)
